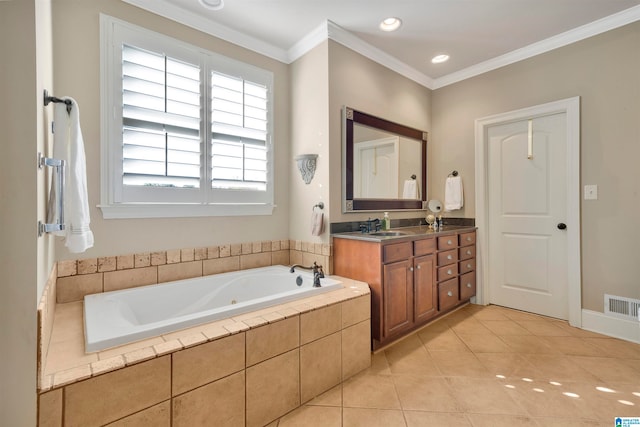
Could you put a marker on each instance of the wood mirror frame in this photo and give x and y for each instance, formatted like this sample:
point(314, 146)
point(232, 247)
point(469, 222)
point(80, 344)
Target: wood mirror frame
point(351, 204)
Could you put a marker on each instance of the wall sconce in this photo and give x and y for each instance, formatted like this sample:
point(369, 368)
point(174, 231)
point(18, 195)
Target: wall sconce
point(307, 166)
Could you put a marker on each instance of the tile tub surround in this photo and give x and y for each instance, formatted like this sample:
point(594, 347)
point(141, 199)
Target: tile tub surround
point(45, 314)
point(268, 363)
point(77, 278)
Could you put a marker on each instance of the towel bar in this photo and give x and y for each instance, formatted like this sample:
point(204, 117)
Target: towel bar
point(48, 99)
point(59, 166)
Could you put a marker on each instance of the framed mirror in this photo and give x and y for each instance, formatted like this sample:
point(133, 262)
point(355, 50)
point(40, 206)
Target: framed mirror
point(384, 164)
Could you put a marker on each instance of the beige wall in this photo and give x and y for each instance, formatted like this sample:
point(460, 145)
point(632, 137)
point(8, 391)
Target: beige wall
point(309, 135)
point(25, 259)
point(364, 85)
point(605, 72)
point(77, 74)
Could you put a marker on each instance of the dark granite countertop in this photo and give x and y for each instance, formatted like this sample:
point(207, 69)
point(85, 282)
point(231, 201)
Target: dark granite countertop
point(403, 233)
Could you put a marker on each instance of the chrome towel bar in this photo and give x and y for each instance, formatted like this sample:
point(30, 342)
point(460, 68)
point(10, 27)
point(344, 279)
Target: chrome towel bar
point(59, 166)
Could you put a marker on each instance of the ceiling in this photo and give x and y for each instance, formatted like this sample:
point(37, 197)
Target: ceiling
point(479, 35)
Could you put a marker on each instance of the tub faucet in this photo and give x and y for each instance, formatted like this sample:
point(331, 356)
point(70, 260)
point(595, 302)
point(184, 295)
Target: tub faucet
point(318, 273)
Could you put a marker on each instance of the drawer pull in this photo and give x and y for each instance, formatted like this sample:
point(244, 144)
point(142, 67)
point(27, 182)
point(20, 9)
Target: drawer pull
point(468, 265)
point(449, 257)
point(449, 242)
point(450, 293)
point(449, 272)
point(468, 285)
point(468, 238)
point(468, 252)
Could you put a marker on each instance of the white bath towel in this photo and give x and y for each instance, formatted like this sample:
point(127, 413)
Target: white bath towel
point(317, 223)
point(59, 153)
point(453, 194)
point(69, 146)
point(410, 190)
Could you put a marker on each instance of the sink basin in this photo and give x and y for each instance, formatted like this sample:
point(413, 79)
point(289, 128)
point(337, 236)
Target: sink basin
point(389, 233)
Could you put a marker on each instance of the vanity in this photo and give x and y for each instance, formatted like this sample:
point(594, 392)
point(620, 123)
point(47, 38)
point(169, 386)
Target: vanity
point(415, 274)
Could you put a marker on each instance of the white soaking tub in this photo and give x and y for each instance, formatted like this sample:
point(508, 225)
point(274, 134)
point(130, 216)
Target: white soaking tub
point(119, 317)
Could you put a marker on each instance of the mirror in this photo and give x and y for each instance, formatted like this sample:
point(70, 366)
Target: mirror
point(434, 205)
point(384, 164)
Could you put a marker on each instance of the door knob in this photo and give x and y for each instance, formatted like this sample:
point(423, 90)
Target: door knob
point(562, 226)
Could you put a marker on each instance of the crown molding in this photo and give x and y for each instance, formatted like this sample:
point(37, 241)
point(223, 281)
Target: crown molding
point(308, 42)
point(353, 42)
point(330, 30)
point(572, 36)
point(190, 19)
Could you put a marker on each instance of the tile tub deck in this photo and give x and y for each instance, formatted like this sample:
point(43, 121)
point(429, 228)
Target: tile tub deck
point(309, 332)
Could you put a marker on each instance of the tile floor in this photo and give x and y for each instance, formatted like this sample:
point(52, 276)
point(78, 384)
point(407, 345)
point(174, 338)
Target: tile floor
point(487, 366)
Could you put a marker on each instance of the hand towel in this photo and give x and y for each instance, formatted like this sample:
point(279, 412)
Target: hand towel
point(69, 146)
point(317, 223)
point(410, 189)
point(453, 194)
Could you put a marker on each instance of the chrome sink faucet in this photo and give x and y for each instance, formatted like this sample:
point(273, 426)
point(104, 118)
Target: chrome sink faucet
point(318, 273)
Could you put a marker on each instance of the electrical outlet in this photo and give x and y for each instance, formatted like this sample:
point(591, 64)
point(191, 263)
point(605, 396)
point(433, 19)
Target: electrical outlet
point(591, 192)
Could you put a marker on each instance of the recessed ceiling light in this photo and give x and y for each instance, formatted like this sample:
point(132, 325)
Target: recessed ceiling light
point(212, 4)
point(390, 24)
point(440, 58)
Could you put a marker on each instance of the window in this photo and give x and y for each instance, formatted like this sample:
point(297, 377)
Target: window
point(185, 132)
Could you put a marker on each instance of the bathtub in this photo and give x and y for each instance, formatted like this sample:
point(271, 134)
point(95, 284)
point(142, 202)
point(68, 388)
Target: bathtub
point(120, 317)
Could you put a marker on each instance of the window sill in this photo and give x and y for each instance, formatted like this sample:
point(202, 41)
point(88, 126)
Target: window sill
point(168, 210)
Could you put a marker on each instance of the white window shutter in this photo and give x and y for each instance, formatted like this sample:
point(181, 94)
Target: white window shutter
point(160, 120)
point(238, 133)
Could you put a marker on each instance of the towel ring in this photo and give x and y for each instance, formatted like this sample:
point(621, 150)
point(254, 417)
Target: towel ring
point(319, 205)
point(454, 173)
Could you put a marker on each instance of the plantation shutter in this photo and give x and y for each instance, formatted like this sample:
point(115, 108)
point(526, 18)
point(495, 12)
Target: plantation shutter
point(238, 133)
point(160, 120)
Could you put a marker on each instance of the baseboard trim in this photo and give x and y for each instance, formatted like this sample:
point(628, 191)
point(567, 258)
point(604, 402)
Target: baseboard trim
point(611, 326)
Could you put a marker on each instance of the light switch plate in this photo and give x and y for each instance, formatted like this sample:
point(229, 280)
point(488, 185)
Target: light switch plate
point(591, 192)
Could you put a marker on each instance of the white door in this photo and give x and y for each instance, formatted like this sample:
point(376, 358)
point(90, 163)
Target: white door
point(376, 169)
point(526, 189)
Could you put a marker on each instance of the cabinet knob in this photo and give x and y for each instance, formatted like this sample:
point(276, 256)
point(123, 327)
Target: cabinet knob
point(468, 238)
point(468, 265)
point(418, 267)
point(468, 285)
point(410, 268)
point(449, 242)
point(450, 293)
point(449, 272)
point(449, 257)
point(468, 252)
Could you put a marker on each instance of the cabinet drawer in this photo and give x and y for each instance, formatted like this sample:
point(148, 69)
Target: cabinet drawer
point(467, 285)
point(447, 242)
point(467, 252)
point(467, 265)
point(447, 272)
point(447, 257)
point(396, 252)
point(423, 247)
point(467, 238)
point(447, 294)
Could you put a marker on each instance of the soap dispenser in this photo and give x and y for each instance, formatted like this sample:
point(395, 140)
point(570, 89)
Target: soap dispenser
point(386, 221)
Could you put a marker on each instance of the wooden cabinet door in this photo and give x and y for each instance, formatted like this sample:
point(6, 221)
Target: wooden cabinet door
point(425, 293)
point(398, 297)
